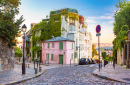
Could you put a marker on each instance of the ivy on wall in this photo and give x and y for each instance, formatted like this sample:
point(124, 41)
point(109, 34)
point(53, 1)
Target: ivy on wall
point(52, 27)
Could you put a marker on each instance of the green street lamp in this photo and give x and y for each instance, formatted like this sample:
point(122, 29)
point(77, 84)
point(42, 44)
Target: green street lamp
point(24, 28)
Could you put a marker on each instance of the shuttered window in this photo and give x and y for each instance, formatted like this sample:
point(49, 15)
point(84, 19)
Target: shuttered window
point(48, 45)
point(72, 56)
point(72, 45)
point(51, 56)
point(60, 45)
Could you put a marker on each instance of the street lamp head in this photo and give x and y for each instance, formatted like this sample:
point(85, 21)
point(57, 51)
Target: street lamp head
point(24, 28)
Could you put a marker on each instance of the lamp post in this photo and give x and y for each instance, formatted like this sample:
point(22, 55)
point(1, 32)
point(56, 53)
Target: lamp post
point(19, 56)
point(23, 64)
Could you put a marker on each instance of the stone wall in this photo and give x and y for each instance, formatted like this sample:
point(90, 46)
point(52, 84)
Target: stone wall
point(6, 56)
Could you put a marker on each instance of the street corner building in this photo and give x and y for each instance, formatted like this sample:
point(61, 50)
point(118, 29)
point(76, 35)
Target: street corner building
point(73, 27)
point(58, 50)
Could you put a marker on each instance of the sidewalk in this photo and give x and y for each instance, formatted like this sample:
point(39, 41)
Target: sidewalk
point(14, 76)
point(120, 73)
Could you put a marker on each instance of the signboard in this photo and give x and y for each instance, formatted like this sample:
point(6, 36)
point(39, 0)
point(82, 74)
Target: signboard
point(98, 34)
point(98, 28)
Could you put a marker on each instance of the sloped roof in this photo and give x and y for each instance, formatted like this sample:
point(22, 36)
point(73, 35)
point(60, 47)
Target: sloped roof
point(58, 39)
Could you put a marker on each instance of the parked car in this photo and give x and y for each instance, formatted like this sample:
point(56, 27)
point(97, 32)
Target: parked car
point(93, 61)
point(89, 61)
point(83, 61)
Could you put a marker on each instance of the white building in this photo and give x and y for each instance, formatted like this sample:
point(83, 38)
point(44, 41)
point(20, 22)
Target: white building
point(77, 30)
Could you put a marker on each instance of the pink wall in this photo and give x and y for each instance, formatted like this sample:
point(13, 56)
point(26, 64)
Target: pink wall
point(67, 48)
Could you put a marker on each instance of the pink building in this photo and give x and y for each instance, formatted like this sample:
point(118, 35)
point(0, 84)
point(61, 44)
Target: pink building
point(58, 50)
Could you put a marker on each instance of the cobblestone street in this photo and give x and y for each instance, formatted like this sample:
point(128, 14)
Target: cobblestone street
point(70, 75)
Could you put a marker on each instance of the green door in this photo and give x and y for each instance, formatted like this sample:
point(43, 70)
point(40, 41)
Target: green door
point(60, 59)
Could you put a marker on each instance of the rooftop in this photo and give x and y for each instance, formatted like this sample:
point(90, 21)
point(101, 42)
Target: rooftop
point(58, 39)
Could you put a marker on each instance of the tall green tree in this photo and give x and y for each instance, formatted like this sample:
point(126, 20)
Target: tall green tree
point(9, 27)
point(121, 25)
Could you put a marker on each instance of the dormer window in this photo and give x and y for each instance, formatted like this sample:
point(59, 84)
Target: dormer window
point(72, 21)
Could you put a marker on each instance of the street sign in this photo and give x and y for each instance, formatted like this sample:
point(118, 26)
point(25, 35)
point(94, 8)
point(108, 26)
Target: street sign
point(98, 34)
point(98, 28)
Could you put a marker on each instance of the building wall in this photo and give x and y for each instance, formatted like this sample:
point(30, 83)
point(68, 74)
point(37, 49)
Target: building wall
point(66, 52)
point(6, 56)
point(80, 35)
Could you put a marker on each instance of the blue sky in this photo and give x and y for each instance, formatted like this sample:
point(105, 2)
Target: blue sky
point(95, 11)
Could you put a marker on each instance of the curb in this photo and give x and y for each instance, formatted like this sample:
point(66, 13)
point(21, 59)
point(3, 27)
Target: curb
point(107, 78)
point(16, 82)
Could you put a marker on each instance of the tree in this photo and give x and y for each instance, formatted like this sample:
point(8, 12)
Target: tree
point(18, 52)
point(94, 52)
point(121, 25)
point(104, 55)
point(9, 28)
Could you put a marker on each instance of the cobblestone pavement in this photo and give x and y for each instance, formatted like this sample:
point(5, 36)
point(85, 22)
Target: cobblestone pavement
point(14, 75)
point(120, 73)
point(70, 75)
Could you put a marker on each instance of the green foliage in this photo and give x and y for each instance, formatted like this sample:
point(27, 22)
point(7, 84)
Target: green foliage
point(9, 28)
point(103, 55)
point(122, 65)
point(18, 52)
point(36, 48)
point(121, 25)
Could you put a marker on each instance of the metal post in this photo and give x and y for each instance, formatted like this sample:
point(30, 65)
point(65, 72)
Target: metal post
point(101, 64)
point(99, 51)
point(48, 61)
point(114, 63)
point(34, 64)
point(79, 53)
point(70, 62)
point(23, 64)
point(37, 64)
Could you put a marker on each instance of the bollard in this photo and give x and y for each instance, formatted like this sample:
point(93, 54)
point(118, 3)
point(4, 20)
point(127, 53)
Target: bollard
point(40, 69)
point(101, 64)
point(34, 64)
point(28, 65)
point(48, 61)
point(113, 63)
point(35, 70)
point(39, 63)
point(70, 62)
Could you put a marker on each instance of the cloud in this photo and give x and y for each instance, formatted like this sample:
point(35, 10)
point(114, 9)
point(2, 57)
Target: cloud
point(111, 22)
point(106, 17)
point(101, 17)
point(91, 21)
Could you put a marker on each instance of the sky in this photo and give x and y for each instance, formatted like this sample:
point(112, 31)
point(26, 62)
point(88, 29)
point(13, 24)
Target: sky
point(96, 12)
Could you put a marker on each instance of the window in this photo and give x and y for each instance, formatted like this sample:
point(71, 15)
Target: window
point(72, 45)
point(53, 44)
point(60, 45)
point(72, 21)
point(48, 45)
point(48, 55)
point(51, 56)
point(72, 56)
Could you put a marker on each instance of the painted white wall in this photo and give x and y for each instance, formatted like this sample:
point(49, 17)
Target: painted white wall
point(79, 34)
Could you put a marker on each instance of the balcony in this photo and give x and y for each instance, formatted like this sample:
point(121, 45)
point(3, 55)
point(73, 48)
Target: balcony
point(72, 29)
